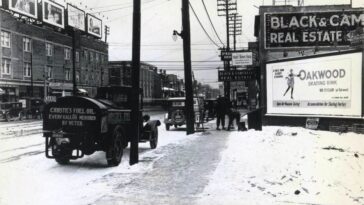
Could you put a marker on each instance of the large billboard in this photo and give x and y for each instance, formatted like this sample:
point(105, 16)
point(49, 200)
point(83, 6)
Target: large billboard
point(311, 29)
point(94, 26)
point(76, 17)
point(320, 86)
point(24, 7)
point(53, 13)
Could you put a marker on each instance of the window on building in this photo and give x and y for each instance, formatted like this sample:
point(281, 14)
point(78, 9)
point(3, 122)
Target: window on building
point(77, 76)
point(67, 74)
point(85, 55)
point(77, 56)
point(5, 39)
point(91, 56)
point(49, 49)
point(27, 70)
point(6, 66)
point(49, 72)
point(97, 56)
point(67, 54)
point(27, 44)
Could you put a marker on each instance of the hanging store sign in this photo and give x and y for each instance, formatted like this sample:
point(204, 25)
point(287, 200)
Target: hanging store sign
point(53, 13)
point(23, 7)
point(320, 86)
point(226, 56)
point(310, 29)
point(76, 17)
point(236, 75)
point(242, 58)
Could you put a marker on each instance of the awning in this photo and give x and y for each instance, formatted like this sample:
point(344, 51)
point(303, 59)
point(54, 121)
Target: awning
point(168, 89)
point(2, 92)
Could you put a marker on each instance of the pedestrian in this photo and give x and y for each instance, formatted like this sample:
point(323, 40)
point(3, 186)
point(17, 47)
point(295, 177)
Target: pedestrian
point(233, 114)
point(221, 112)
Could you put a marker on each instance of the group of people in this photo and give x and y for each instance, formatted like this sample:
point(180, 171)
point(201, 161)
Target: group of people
point(226, 107)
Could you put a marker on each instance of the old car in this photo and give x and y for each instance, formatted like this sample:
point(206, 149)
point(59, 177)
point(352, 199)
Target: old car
point(33, 107)
point(75, 126)
point(176, 115)
point(11, 111)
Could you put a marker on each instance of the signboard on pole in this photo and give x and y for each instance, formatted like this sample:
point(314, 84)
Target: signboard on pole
point(226, 56)
point(236, 75)
point(242, 58)
point(310, 29)
point(320, 86)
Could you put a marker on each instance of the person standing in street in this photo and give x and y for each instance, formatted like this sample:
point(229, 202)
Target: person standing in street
point(233, 114)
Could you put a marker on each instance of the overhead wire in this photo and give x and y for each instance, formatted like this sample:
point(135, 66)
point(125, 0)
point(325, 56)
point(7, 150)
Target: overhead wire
point(203, 28)
point(213, 27)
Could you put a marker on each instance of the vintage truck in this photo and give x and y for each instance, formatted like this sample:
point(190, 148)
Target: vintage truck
point(75, 126)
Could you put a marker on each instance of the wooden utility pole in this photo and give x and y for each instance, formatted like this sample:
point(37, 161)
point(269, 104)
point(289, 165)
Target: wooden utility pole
point(186, 35)
point(135, 110)
point(31, 74)
point(75, 34)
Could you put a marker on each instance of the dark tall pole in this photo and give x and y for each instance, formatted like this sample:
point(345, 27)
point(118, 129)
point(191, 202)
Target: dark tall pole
point(134, 149)
point(74, 62)
point(186, 35)
point(227, 64)
point(234, 32)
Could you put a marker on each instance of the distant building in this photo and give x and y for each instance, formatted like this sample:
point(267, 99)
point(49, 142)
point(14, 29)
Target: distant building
point(150, 81)
point(38, 59)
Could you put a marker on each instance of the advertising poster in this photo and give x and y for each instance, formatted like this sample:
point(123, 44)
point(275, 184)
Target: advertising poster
point(53, 13)
point(322, 86)
point(94, 25)
point(310, 29)
point(242, 58)
point(76, 17)
point(25, 7)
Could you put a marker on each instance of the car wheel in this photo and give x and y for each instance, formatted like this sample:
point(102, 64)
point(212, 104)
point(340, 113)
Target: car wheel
point(62, 160)
point(167, 126)
point(175, 126)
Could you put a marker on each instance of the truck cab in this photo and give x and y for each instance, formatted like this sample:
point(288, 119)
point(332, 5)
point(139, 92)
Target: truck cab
point(75, 126)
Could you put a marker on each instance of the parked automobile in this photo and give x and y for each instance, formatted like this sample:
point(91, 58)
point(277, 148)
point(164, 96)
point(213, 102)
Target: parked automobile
point(11, 111)
point(33, 107)
point(176, 115)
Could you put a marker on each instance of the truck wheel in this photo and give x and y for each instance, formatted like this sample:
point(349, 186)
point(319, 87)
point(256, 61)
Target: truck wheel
point(167, 126)
point(115, 152)
point(154, 139)
point(175, 126)
point(62, 160)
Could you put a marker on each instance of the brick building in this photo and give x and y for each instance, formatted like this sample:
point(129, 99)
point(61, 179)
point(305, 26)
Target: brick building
point(38, 59)
point(150, 81)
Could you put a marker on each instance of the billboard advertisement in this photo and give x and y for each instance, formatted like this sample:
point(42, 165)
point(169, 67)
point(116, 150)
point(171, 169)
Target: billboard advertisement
point(53, 13)
point(310, 29)
point(76, 17)
point(24, 7)
point(94, 26)
point(320, 86)
point(242, 58)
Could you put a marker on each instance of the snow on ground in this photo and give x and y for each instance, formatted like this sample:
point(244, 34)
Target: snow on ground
point(293, 166)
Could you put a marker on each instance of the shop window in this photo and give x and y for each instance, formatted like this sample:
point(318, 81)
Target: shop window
point(27, 44)
point(27, 70)
point(6, 66)
point(5, 39)
point(49, 49)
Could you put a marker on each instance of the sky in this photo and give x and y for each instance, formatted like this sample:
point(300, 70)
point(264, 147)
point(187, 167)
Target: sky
point(161, 17)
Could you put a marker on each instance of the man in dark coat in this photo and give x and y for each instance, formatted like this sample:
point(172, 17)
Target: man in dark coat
point(221, 110)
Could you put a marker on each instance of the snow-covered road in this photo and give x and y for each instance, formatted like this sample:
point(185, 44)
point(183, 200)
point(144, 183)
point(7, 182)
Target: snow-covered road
point(289, 166)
